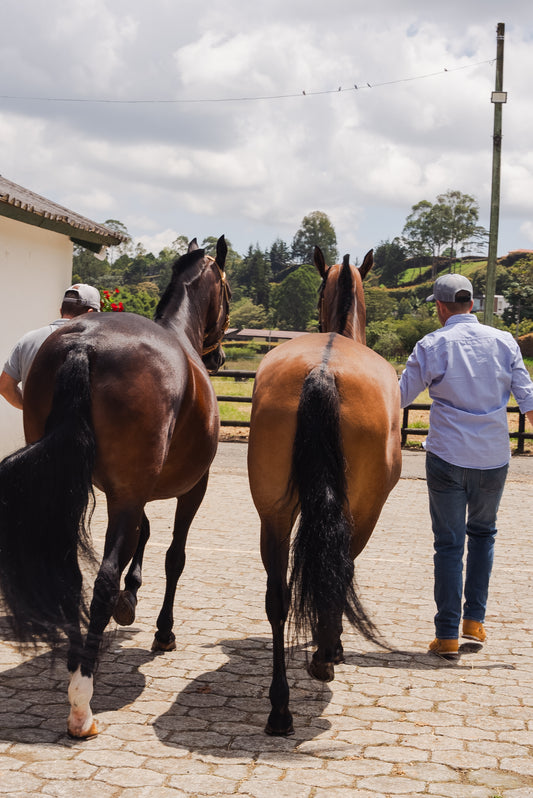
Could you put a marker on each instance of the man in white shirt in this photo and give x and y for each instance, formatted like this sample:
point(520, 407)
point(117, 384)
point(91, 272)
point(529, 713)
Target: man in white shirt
point(471, 370)
point(78, 299)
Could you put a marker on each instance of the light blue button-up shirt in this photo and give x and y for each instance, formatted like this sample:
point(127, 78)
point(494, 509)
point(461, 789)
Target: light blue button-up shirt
point(471, 370)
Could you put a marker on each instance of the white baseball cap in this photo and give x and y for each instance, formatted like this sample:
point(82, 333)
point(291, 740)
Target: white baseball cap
point(83, 294)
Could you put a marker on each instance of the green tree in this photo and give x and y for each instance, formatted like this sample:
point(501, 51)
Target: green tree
point(389, 261)
point(451, 223)
point(138, 301)
point(294, 300)
point(519, 292)
point(460, 213)
point(245, 314)
point(253, 276)
point(137, 270)
point(380, 305)
point(87, 268)
point(315, 230)
point(125, 246)
point(280, 256)
point(423, 232)
point(180, 245)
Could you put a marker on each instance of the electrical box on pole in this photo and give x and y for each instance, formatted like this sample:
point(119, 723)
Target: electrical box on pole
point(498, 97)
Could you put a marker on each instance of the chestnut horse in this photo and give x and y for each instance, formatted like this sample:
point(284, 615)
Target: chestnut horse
point(124, 403)
point(324, 443)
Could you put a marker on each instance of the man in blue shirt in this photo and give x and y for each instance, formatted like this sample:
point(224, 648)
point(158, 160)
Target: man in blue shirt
point(471, 370)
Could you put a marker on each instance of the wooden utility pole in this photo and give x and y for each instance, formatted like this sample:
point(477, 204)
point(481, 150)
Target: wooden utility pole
point(498, 98)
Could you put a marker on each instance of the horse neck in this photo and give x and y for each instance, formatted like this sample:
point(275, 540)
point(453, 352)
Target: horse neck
point(347, 314)
point(185, 316)
point(353, 328)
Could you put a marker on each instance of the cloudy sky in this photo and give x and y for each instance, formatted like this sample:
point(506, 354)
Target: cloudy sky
point(196, 118)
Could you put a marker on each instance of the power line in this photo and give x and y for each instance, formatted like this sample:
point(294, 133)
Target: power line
point(304, 93)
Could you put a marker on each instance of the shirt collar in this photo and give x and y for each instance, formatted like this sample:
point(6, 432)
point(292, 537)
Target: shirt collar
point(462, 318)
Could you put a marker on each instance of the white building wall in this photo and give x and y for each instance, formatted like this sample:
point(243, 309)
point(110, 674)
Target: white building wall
point(35, 270)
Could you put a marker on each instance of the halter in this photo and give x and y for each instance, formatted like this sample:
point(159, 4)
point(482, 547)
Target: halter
point(225, 294)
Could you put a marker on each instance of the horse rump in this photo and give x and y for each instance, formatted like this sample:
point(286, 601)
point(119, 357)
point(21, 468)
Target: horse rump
point(46, 499)
point(321, 584)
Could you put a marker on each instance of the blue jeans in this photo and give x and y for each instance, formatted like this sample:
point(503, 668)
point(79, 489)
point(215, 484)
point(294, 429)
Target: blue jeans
point(462, 502)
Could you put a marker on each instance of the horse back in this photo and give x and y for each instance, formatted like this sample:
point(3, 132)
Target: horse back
point(369, 408)
point(142, 391)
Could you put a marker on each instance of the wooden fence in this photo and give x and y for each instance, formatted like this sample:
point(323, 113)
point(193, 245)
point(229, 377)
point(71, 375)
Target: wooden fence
point(521, 435)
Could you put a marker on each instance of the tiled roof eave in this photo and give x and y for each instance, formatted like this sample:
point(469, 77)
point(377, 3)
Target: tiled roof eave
point(19, 203)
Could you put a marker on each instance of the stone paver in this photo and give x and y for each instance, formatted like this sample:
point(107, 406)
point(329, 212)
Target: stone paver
point(190, 723)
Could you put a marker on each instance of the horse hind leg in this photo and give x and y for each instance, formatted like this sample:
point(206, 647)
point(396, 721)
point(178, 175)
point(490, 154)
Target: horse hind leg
point(187, 507)
point(124, 611)
point(275, 555)
point(329, 651)
point(121, 543)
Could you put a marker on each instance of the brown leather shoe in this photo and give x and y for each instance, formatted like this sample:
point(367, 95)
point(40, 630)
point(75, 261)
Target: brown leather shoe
point(449, 649)
point(474, 630)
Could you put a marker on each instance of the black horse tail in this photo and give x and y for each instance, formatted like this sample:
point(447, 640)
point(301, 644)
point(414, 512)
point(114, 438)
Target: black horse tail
point(322, 586)
point(46, 499)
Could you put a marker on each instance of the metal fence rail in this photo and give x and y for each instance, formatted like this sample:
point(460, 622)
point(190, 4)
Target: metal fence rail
point(521, 435)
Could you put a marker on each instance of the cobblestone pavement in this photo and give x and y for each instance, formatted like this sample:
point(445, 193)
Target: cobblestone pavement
point(190, 723)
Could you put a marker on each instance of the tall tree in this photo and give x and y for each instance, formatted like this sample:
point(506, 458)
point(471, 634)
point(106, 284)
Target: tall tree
point(125, 247)
point(253, 275)
point(315, 230)
point(519, 292)
point(295, 299)
point(448, 224)
point(280, 256)
point(180, 245)
point(460, 213)
point(389, 261)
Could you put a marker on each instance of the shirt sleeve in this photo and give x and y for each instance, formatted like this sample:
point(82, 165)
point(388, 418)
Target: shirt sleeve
point(12, 366)
point(414, 379)
point(521, 385)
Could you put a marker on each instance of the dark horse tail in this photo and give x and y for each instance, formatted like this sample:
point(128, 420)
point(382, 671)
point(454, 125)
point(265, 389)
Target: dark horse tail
point(322, 578)
point(45, 497)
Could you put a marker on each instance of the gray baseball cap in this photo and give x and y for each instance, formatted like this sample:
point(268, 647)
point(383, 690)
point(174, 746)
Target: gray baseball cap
point(446, 288)
point(83, 294)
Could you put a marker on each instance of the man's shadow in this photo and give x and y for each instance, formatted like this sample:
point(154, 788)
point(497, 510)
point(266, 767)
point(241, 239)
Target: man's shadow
point(224, 711)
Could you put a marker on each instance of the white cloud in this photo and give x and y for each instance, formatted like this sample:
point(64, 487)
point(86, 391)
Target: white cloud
point(158, 242)
point(254, 168)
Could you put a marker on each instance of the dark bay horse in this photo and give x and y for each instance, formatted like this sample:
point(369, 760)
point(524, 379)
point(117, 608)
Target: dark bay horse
point(324, 443)
point(124, 403)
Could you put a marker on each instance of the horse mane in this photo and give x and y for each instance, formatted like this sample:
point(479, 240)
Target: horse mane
point(345, 293)
point(180, 264)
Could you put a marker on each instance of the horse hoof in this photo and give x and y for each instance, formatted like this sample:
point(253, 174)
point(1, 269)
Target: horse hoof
point(323, 671)
point(92, 731)
point(159, 645)
point(279, 732)
point(283, 728)
point(124, 612)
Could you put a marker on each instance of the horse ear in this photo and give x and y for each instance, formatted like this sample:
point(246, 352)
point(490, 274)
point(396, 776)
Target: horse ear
point(320, 263)
point(222, 251)
point(192, 245)
point(367, 264)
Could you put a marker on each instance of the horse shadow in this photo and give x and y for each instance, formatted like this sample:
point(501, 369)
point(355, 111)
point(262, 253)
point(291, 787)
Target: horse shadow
point(223, 712)
point(33, 694)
